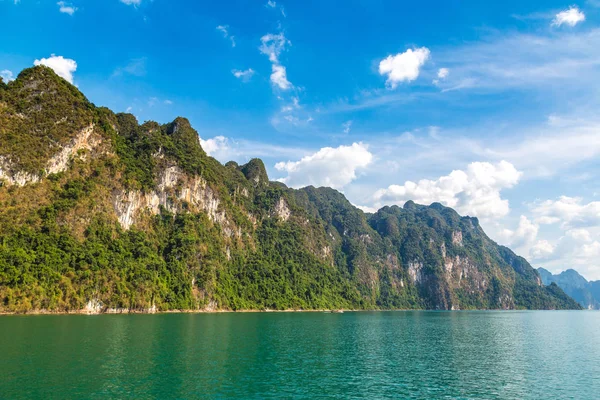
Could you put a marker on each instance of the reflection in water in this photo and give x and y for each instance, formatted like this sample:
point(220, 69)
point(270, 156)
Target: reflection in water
point(489, 355)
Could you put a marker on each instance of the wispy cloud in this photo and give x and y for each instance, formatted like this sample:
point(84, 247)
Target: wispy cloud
point(66, 8)
point(134, 3)
point(273, 45)
point(346, 126)
point(224, 29)
point(244, 75)
point(273, 4)
point(135, 67)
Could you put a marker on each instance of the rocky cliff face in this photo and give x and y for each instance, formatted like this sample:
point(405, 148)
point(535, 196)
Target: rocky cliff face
point(85, 140)
point(108, 215)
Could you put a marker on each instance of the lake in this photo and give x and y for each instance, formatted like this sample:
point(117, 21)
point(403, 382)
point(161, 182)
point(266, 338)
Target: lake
point(367, 355)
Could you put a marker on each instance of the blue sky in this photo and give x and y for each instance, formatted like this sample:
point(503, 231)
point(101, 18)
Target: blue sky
point(488, 107)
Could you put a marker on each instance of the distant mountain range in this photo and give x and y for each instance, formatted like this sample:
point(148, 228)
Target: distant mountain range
point(585, 293)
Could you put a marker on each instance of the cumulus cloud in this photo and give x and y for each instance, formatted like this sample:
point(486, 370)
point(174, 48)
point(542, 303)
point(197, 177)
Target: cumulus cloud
point(569, 211)
point(244, 75)
point(403, 67)
point(66, 8)
point(577, 248)
point(279, 77)
point(524, 235)
point(524, 240)
point(214, 145)
point(7, 75)
point(541, 249)
point(474, 192)
point(570, 17)
point(333, 167)
point(64, 67)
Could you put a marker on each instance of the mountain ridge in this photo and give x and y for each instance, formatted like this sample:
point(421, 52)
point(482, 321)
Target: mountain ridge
point(586, 293)
point(100, 213)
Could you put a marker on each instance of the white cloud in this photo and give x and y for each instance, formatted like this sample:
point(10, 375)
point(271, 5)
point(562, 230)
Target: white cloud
point(570, 17)
point(569, 211)
point(541, 249)
point(66, 8)
point(134, 3)
point(272, 45)
point(366, 209)
point(273, 4)
point(244, 75)
point(403, 67)
point(474, 192)
point(443, 73)
point(215, 145)
point(7, 75)
point(577, 248)
point(333, 167)
point(224, 29)
point(293, 106)
point(347, 126)
point(168, 102)
point(64, 67)
point(279, 77)
point(502, 62)
point(524, 235)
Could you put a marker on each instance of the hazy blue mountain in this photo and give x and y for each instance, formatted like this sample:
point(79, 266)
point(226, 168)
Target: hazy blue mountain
point(585, 293)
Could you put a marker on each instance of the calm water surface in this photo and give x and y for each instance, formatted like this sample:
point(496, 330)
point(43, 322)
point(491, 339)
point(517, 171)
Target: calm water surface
point(465, 355)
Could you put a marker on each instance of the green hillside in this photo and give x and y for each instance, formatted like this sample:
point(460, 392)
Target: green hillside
point(100, 213)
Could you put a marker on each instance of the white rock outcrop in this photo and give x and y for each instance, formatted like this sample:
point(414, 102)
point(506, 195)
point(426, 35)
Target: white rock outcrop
point(457, 238)
point(282, 211)
point(172, 185)
point(85, 139)
point(415, 271)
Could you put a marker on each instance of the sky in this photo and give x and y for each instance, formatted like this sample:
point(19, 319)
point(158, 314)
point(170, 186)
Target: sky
point(487, 107)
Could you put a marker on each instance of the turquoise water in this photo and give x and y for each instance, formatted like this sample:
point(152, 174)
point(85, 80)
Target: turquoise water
point(467, 355)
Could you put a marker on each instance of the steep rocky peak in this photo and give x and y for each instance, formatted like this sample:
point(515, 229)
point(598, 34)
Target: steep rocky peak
point(255, 172)
point(574, 277)
point(179, 126)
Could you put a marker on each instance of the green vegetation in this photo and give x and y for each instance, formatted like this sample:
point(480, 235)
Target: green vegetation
point(218, 237)
point(39, 113)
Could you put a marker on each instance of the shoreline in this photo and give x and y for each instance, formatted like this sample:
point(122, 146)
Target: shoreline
point(204, 311)
point(201, 311)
